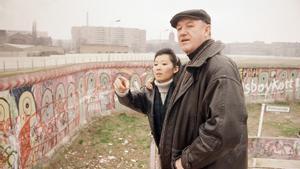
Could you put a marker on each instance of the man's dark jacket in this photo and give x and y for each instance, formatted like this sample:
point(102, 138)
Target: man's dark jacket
point(206, 119)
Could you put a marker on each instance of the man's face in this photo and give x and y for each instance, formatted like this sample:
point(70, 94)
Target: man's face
point(191, 34)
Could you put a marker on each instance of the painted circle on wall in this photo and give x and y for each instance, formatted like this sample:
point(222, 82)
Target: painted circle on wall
point(91, 83)
point(135, 82)
point(27, 104)
point(293, 74)
point(47, 106)
point(263, 77)
point(81, 86)
point(60, 92)
point(283, 75)
point(104, 80)
point(4, 110)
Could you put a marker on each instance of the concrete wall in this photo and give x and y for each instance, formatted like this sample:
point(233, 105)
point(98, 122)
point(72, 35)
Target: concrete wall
point(274, 147)
point(271, 84)
point(40, 111)
point(274, 152)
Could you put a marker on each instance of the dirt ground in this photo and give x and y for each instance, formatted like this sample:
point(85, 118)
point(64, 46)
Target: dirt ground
point(122, 140)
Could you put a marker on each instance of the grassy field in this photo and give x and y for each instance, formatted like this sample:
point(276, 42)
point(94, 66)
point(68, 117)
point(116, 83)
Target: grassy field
point(122, 140)
point(275, 124)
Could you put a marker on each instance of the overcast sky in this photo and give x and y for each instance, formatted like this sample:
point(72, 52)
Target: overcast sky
point(232, 20)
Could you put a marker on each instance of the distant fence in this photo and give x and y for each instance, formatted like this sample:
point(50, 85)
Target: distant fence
point(20, 63)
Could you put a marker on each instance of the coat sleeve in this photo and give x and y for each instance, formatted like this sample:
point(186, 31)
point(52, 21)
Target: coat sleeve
point(136, 100)
point(224, 126)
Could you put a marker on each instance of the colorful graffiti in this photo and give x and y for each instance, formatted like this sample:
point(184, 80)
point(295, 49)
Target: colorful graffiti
point(7, 157)
point(106, 95)
point(275, 148)
point(8, 152)
point(5, 122)
point(263, 84)
point(135, 82)
point(35, 118)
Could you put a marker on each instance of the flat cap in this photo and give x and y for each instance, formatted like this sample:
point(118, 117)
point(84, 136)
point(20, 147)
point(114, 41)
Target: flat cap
point(198, 14)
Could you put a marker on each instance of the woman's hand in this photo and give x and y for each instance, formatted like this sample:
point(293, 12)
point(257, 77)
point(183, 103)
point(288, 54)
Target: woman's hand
point(121, 84)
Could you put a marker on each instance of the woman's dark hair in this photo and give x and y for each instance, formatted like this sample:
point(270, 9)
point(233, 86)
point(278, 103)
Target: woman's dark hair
point(173, 58)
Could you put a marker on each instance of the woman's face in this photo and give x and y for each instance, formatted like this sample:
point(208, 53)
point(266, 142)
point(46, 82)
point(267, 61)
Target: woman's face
point(163, 69)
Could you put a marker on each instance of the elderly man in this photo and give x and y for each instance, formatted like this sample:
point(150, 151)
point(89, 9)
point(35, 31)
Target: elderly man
point(206, 120)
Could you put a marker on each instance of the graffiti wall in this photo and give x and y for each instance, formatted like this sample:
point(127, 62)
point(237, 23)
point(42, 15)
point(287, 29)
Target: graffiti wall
point(38, 113)
point(275, 148)
point(271, 84)
point(40, 110)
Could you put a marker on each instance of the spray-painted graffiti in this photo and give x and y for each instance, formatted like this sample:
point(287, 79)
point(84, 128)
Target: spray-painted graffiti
point(71, 106)
point(5, 123)
point(8, 154)
point(92, 101)
point(275, 148)
point(135, 82)
point(82, 102)
point(106, 95)
point(8, 157)
point(271, 84)
point(105, 81)
point(48, 122)
point(28, 124)
point(35, 118)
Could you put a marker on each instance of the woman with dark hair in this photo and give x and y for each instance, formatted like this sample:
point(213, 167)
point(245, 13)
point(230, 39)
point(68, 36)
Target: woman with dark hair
point(152, 102)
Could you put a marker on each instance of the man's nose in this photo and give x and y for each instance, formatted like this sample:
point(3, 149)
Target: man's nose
point(183, 30)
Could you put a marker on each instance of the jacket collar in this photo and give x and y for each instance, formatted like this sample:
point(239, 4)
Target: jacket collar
point(210, 49)
point(193, 54)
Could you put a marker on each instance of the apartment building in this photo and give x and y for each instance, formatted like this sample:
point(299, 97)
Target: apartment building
point(133, 38)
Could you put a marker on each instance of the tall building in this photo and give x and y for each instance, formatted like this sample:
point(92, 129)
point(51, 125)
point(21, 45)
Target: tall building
point(134, 39)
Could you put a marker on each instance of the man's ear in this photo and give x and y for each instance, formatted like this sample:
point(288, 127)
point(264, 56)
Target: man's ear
point(208, 30)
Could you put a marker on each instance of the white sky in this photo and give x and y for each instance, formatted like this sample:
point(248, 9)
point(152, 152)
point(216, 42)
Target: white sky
point(232, 20)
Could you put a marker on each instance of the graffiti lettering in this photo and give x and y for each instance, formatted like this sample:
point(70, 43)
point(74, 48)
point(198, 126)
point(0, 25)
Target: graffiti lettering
point(275, 86)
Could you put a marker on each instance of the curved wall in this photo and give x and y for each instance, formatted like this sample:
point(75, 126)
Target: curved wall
point(41, 110)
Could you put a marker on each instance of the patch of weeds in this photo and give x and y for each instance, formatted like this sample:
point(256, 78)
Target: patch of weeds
point(253, 107)
point(104, 135)
point(286, 128)
point(126, 118)
point(144, 142)
point(279, 103)
point(80, 141)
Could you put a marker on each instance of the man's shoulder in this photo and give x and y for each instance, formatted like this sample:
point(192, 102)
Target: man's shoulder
point(220, 60)
point(221, 65)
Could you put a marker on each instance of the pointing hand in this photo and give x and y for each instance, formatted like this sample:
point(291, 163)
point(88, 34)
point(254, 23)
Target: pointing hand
point(121, 84)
